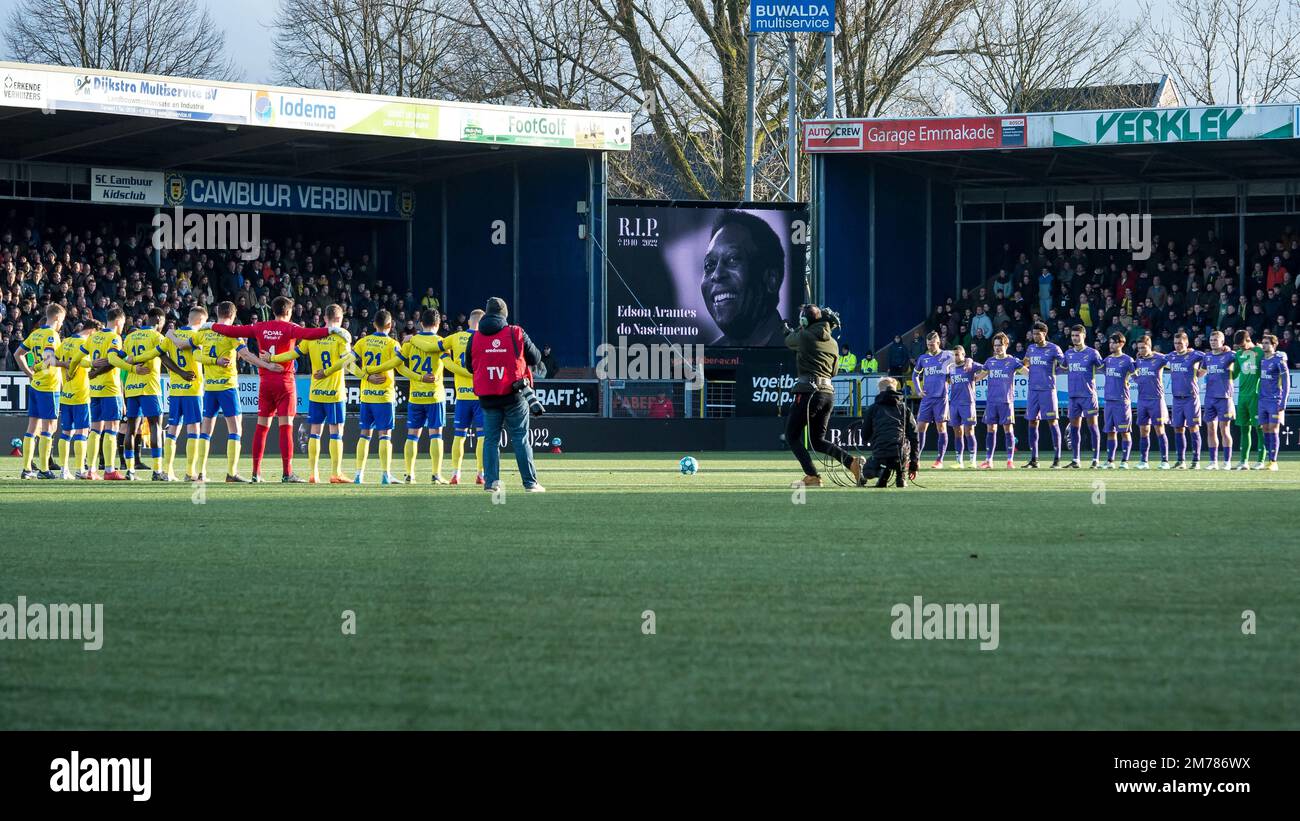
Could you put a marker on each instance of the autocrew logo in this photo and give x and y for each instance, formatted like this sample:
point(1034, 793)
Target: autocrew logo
point(15, 89)
point(833, 135)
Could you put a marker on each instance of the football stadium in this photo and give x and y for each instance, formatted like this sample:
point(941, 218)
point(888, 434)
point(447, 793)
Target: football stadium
point(992, 431)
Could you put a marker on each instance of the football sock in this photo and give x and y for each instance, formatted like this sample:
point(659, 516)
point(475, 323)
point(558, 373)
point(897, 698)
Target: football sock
point(990, 443)
point(259, 447)
point(363, 450)
point(286, 449)
point(386, 452)
point(435, 452)
point(336, 454)
point(313, 453)
point(411, 450)
point(232, 454)
point(169, 453)
point(457, 452)
point(110, 451)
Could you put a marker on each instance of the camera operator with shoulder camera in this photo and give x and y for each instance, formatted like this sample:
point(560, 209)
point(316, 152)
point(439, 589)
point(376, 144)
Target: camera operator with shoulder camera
point(817, 358)
point(500, 356)
point(890, 428)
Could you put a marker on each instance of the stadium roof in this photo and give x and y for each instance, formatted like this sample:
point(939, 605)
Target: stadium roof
point(87, 117)
point(1159, 94)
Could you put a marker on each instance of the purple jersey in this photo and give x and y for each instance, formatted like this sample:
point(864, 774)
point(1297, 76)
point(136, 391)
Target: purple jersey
point(961, 383)
point(1274, 381)
point(1150, 379)
point(932, 371)
point(1118, 367)
point(1001, 384)
point(1182, 373)
point(1082, 366)
point(1042, 361)
point(1218, 376)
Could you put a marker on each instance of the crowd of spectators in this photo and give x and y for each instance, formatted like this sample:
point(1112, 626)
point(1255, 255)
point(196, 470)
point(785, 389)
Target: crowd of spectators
point(90, 268)
point(1196, 286)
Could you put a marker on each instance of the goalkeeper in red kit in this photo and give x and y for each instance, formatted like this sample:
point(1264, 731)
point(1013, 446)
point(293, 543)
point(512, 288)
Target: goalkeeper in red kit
point(276, 394)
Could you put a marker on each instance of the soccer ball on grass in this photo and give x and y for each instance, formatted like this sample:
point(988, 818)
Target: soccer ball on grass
point(688, 466)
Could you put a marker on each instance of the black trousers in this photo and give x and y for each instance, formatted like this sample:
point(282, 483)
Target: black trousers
point(812, 412)
point(887, 467)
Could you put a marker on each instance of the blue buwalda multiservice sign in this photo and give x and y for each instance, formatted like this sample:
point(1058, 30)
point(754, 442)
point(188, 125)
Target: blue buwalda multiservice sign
point(792, 16)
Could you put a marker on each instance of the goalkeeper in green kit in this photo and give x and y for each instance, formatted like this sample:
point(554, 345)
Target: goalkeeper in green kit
point(1248, 357)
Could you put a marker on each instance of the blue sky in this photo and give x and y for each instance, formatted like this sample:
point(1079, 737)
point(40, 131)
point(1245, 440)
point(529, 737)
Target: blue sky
point(247, 26)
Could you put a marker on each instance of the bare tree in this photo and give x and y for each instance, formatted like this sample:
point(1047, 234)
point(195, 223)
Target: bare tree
point(1227, 51)
point(883, 44)
point(400, 47)
point(1018, 49)
point(176, 38)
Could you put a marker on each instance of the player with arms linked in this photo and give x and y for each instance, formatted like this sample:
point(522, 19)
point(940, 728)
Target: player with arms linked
point(1082, 364)
point(999, 395)
point(1042, 359)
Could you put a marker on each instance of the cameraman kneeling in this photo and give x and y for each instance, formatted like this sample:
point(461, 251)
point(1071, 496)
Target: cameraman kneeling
point(889, 427)
point(500, 356)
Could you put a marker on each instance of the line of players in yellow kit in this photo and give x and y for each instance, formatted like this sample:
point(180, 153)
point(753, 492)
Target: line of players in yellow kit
point(375, 358)
point(82, 372)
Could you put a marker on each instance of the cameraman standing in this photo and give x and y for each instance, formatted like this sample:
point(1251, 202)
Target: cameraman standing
point(817, 357)
point(500, 356)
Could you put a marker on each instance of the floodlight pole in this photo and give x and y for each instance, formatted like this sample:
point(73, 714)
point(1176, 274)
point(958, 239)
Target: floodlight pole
point(751, 77)
point(830, 75)
point(792, 124)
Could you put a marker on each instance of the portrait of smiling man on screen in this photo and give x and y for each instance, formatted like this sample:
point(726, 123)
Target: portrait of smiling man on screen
point(744, 269)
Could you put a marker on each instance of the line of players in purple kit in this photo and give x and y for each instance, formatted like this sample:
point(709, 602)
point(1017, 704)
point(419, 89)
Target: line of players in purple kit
point(945, 381)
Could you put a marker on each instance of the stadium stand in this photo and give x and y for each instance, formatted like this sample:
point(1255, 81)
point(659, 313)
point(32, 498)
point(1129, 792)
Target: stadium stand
point(1190, 284)
point(90, 267)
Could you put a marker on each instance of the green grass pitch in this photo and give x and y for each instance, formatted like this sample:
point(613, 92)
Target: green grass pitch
point(768, 614)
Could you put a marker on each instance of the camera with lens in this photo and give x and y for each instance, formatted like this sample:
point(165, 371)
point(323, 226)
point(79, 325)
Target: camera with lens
point(535, 406)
